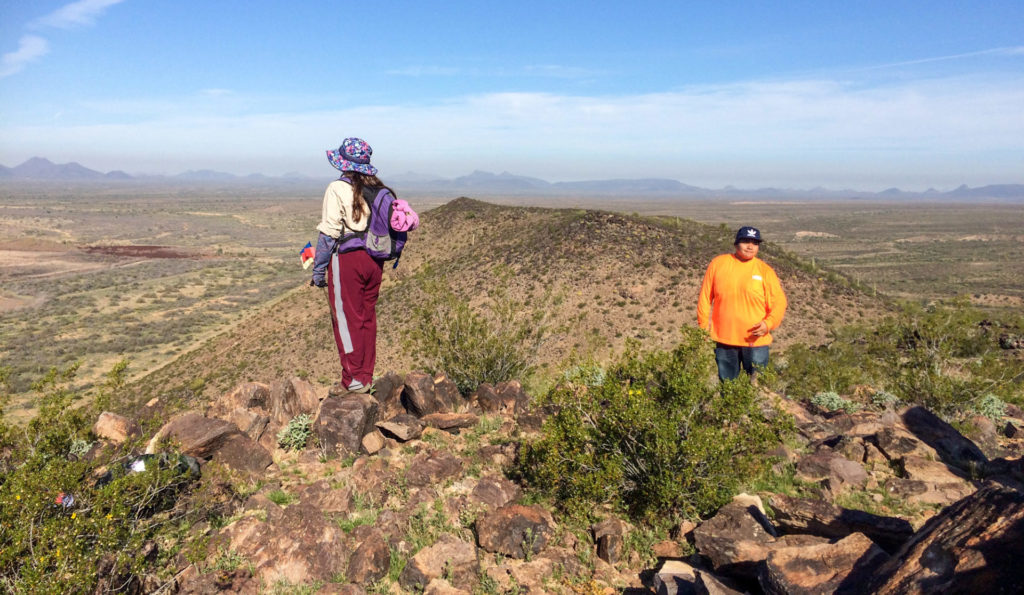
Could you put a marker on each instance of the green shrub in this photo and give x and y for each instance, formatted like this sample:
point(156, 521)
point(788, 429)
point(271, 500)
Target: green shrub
point(295, 434)
point(494, 343)
point(991, 407)
point(944, 356)
point(46, 547)
point(831, 401)
point(656, 435)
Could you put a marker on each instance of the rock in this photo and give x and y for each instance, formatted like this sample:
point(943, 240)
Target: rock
point(735, 539)
point(514, 530)
point(667, 549)
point(447, 395)
point(982, 431)
point(387, 389)
point(825, 464)
point(609, 535)
point(825, 568)
point(343, 421)
point(246, 396)
point(818, 517)
point(450, 557)
point(709, 584)
point(511, 391)
point(930, 471)
point(495, 491)
point(301, 547)
point(489, 402)
point(851, 448)
point(972, 546)
point(1010, 430)
point(322, 496)
point(563, 560)
point(403, 427)
point(952, 447)
point(289, 398)
point(895, 442)
point(373, 442)
point(923, 492)
point(432, 467)
point(371, 560)
point(418, 396)
point(450, 421)
point(675, 577)
point(241, 453)
point(252, 423)
point(439, 586)
point(115, 428)
point(195, 435)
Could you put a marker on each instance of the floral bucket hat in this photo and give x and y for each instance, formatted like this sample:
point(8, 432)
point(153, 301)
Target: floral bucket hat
point(352, 155)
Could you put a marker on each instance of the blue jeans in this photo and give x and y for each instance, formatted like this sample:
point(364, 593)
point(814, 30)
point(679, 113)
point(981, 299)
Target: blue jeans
point(731, 357)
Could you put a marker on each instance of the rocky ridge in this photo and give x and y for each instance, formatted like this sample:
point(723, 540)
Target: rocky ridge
point(406, 490)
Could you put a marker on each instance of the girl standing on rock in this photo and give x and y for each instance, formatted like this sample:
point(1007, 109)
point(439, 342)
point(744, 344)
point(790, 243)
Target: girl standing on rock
point(352, 277)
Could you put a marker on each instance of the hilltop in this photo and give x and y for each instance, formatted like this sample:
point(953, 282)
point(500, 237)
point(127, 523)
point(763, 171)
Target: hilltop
point(601, 277)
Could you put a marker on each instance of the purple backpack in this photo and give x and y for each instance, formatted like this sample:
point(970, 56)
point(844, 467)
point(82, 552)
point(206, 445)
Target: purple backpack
point(379, 240)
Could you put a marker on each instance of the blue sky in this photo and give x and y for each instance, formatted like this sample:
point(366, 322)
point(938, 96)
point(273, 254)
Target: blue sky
point(862, 95)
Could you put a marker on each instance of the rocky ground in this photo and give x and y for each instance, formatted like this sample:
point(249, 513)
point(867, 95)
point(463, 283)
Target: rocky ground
point(406, 490)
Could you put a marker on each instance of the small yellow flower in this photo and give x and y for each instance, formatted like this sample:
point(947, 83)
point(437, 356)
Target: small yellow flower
point(17, 497)
point(109, 516)
point(73, 515)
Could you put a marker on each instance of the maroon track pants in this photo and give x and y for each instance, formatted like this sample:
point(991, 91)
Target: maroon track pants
point(353, 284)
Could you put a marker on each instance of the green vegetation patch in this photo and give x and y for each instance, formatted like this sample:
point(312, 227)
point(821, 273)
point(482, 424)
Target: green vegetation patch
point(654, 434)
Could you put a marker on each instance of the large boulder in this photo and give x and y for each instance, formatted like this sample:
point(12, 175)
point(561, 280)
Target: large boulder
point(952, 447)
point(245, 396)
point(302, 546)
point(291, 397)
point(515, 531)
point(450, 558)
point(370, 560)
point(972, 546)
point(818, 517)
point(115, 428)
point(343, 421)
point(844, 566)
point(241, 453)
point(432, 467)
point(419, 397)
point(194, 434)
point(737, 538)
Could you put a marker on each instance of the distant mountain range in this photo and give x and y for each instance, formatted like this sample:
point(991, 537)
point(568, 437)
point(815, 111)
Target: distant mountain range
point(482, 183)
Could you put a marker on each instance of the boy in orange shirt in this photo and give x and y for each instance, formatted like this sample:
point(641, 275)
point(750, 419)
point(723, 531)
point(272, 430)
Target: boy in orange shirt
point(741, 301)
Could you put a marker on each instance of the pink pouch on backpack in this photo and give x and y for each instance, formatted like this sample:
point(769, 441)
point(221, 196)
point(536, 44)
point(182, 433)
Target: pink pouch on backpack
point(403, 218)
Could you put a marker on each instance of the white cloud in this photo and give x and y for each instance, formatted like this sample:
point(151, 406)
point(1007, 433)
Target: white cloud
point(30, 48)
point(76, 14)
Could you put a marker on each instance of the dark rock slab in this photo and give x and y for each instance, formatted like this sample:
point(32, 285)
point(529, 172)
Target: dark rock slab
point(844, 566)
point(241, 453)
point(515, 530)
point(370, 560)
point(196, 435)
point(450, 558)
point(953, 448)
point(289, 398)
point(343, 421)
point(403, 427)
point(736, 539)
point(818, 517)
point(495, 491)
point(450, 421)
point(432, 467)
point(418, 396)
point(972, 546)
point(447, 394)
point(610, 537)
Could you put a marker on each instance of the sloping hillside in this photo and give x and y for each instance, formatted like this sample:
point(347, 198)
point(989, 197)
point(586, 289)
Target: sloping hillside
point(608, 277)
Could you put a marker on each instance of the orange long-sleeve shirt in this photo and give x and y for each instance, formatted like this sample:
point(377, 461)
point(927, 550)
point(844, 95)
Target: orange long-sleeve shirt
point(736, 296)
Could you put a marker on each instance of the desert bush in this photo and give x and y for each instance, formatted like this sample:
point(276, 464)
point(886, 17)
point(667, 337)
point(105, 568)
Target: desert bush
point(655, 434)
point(493, 343)
point(831, 401)
point(61, 529)
point(295, 434)
point(944, 356)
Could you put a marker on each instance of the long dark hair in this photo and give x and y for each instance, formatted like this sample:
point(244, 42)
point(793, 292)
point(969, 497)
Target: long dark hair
point(359, 180)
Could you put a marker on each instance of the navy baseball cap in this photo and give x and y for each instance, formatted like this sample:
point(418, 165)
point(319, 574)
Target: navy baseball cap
point(748, 233)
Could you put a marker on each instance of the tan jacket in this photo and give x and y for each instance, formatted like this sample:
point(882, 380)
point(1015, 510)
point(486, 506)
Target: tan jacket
point(337, 211)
